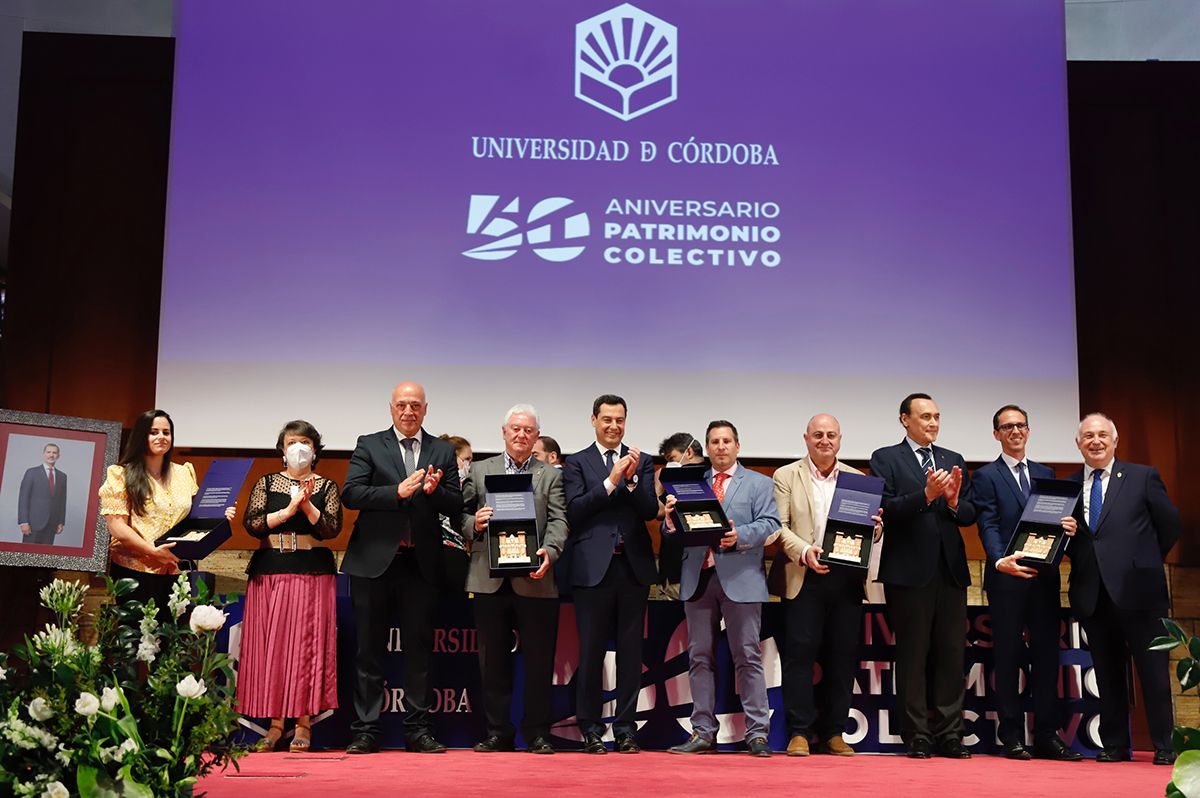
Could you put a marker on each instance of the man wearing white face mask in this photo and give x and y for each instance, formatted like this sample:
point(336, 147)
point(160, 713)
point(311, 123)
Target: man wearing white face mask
point(284, 674)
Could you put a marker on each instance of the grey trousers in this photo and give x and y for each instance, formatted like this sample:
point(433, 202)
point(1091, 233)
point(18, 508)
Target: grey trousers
point(742, 623)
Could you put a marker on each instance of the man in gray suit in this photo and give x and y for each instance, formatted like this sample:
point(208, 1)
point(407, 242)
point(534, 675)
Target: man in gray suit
point(728, 583)
point(42, 502)
point(527, 604)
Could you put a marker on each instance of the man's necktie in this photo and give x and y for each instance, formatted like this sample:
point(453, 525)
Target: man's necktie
point(608, 459)
point(410, 459)
point(926, 458)
point(51, 481)
point(1096, 501)
point(719, 481)
point(1023, 480)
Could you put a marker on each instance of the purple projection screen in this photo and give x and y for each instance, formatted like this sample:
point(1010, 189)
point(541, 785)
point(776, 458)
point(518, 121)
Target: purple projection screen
point(745, 209)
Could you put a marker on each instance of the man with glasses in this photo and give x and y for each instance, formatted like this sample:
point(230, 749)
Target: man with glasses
point(1019, 595)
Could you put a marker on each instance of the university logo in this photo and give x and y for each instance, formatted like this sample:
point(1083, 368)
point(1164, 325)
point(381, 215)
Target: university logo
point(545, 228)
point(626, 62)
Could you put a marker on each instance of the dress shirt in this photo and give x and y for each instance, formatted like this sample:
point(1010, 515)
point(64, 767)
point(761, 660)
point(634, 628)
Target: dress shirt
point(1087, 488)
point(1012, 463)
point(400, 436)
point(822, 495)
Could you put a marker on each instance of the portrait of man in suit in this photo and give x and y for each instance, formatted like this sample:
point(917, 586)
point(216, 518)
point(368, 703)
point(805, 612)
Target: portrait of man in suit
point(822, 607)
point(396, 480)
point(1118, 589)
point(923, 566)
point(42, 501)
point(610, 567)
point(1018, 595)
point(525, 604)
point(728, 583)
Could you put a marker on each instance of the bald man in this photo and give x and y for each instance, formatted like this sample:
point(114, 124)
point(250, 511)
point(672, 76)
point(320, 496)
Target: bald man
point(396, 480)
point(822, 608)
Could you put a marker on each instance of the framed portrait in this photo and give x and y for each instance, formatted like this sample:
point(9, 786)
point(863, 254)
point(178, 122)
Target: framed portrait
point(51, 468)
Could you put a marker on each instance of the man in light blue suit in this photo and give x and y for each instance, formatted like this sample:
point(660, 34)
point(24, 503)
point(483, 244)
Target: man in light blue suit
point(728, 582)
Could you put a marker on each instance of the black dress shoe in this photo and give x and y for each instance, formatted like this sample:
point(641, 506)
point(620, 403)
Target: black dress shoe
point(493, 744)
point(953, 749)
point(920, 748)
point(627, 745)
point(541, 745)
point(1014, 750)
point(425, 743)
point(592, 744)
point(1164, 757)
point(1108, 755)
point(758, 746)
point(1054, 748)
point(694, 745)
point(362, 744)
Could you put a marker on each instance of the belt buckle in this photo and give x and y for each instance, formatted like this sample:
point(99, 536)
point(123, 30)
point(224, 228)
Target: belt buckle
point(290, 546)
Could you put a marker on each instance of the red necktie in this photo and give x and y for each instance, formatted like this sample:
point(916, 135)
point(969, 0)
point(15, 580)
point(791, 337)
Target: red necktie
point(51, 481)
point(718, 489)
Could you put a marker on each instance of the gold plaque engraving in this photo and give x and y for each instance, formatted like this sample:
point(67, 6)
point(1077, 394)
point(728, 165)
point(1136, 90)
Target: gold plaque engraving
point(513, 550)
point(1038, 547)
point(700, 521)
point(847, 547)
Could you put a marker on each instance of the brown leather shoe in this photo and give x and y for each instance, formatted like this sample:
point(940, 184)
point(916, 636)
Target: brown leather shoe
point(837, 746)
point(798, 746)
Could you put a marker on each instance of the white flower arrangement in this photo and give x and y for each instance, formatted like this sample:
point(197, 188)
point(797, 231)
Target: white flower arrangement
point(206, 618)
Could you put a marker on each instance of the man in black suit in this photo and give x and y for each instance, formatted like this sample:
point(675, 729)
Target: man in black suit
point(610, 496)
point(680, 449)
point(1018, 595)
point(1118, 589)
point(395, 481)
point(923, 565)
point(42, 501)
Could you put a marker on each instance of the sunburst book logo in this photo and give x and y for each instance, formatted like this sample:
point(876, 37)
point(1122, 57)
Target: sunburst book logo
point(626, 62)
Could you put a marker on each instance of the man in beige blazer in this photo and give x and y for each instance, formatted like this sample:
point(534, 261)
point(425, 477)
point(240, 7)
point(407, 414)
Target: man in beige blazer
point(526, 604)
point(822, 608)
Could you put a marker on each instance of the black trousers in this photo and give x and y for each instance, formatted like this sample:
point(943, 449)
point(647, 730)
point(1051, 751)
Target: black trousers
point(150, 586)
point(822, 624)
point(1113, 635)
point(929, 622)
point(535, 620)
point(617, 605)
point(1035, 605)
point(375, 600)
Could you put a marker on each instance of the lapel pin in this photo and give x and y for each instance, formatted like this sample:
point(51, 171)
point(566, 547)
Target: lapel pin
point(1120, 474)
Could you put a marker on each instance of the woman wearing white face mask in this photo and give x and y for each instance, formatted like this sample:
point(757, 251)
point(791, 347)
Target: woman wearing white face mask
point(288, 665)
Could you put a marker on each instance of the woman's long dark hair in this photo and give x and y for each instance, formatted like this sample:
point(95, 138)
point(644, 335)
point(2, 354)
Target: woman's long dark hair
point(133, 460)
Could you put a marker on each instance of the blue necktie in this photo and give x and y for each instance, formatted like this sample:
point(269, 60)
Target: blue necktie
point(926, 458)
point(1022, 480)
point(608, 459)
point(1096, 502)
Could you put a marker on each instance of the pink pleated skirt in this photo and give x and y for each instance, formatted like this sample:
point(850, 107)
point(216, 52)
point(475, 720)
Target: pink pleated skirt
point(288, 662)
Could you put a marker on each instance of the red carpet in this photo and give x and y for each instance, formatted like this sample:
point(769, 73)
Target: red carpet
point(466, 774)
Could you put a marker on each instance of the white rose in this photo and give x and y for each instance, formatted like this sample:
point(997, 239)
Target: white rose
point(3, 674)
point(87, 704)
point(55, 789)
point(206, 618)
point(39, 710)
point(190, 687)
point(109, 698)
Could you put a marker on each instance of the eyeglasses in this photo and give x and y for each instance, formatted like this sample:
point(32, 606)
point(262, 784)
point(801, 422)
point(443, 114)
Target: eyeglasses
point(1010, 427)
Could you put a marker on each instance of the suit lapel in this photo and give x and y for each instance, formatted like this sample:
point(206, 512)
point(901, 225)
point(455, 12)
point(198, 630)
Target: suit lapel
point(595, 461)
point(392, 445)
point(731, 487)
point(1115, 481)
point(806, 484)
point(1012, 483)
point(426, 449)
point(914, 466)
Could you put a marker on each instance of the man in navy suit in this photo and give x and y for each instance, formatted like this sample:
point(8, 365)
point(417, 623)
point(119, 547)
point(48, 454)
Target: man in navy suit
point(1018, 595)
point(42, 501)
point(1118, 589)
point(923, 564)
point(728, 583)
point(396, 482)
point(610, 497)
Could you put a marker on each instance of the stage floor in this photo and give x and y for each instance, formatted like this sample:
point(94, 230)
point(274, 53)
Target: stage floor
point(466, 774)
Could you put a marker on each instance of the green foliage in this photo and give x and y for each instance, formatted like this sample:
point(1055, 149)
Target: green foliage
point(67, 717)
point(1185, 778)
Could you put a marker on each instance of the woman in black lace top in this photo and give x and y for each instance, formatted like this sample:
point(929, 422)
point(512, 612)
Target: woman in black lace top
point(288, 663)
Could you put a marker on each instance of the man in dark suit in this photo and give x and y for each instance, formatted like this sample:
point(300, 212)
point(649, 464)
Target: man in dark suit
point(679, 449)
point(396, 482)
point(1018, 595)
point(923, 565)
point(1118, 589)
point(42, 502)
point(610, 497)
point(527, 604)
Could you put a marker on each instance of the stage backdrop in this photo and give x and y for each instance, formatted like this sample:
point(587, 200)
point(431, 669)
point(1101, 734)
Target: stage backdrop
point(732, 208)
point(664, 704)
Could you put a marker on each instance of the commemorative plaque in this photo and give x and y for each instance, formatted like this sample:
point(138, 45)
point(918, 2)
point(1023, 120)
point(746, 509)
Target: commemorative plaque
point(850, 532)
point(206, 527)
point(698, 516)
point(513, 536)
point(1039, 533)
